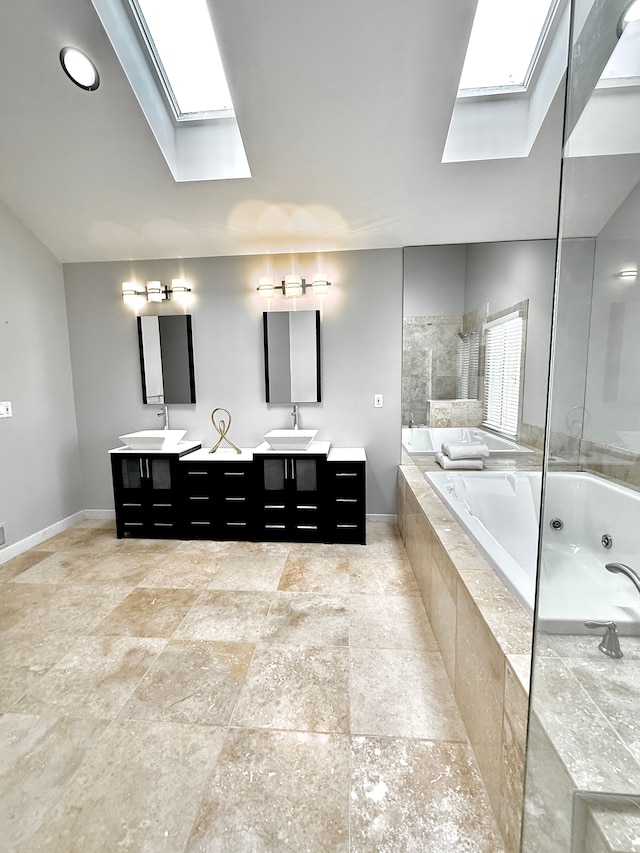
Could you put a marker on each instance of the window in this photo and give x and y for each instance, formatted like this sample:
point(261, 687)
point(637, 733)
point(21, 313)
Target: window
point(179, 36)
point(502, 380)
point(505, 43)
point(468, 358)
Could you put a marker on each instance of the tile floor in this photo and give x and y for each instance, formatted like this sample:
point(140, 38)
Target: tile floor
point(239, 697)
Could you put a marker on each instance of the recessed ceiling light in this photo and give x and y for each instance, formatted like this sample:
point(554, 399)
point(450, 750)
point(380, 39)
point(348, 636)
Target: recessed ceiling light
point(79, 68)
point(630, 14)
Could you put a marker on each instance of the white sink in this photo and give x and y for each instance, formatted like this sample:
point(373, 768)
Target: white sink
point(290, 439)
point(153, 439)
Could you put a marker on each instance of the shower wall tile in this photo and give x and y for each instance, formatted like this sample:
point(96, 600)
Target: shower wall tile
point(613, 462)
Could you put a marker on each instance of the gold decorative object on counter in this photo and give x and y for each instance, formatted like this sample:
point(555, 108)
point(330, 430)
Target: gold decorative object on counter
point(222, 428)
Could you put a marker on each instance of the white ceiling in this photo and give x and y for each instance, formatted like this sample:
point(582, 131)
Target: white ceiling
point(343, 105)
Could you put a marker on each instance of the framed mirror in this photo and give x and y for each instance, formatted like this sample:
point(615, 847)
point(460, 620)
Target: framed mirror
point(166, 359)
point(292, 356)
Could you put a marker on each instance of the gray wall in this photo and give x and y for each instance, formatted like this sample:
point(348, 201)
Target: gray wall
point(434, 280)
point(361, 341)
point(503, 274)
point(39, 463)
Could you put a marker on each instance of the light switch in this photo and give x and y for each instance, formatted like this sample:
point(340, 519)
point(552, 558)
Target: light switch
point(377, 401)
point(5, 410)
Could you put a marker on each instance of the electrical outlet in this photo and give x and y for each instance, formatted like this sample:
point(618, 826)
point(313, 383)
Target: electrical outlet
point(377, 401)
point(5, 410)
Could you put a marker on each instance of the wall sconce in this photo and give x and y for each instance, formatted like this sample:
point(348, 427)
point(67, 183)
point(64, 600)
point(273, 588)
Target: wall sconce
point(628, 273)
point(154, 291)
point(292, 285)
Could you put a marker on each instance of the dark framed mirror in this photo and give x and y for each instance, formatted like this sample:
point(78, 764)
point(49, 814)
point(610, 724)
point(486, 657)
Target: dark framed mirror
point(292, 356)
point(166, 359)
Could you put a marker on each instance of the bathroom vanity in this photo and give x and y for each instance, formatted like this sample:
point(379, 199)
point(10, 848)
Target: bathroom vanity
point(312, 495)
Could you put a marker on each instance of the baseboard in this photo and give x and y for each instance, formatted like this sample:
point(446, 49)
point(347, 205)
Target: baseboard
point(388, 519)
point(41, 536)
point(100, 514)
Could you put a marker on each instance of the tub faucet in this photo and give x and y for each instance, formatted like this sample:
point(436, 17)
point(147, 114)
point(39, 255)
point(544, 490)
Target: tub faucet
point(165, 414)
point(294, 417)
point(621, 568)
point(609, 645)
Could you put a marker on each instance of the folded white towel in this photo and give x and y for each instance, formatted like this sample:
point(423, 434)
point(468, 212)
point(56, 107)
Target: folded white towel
point(465, 450)
point(460, 464)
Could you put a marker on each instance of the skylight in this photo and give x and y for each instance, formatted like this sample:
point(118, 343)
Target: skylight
point(505, 42)
point(180, 37)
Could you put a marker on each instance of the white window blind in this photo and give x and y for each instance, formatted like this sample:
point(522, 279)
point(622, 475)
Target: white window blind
point(467, 375)
point(503, 354)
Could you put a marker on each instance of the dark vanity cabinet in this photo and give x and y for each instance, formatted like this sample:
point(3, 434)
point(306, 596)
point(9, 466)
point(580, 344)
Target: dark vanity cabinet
point(146, 499)
point(346, 498)
point(260, 495)
point(290, 490)
point(218, 499)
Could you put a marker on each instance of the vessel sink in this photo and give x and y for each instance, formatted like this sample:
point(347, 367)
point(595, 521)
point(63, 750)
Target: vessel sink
point(290, 439)
point(153, 439)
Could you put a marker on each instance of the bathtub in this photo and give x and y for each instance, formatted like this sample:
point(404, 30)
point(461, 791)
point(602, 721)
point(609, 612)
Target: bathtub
point(501, 514)
point(430, 439)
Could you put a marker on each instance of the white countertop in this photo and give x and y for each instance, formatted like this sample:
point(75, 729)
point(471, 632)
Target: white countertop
point(176, 449)
point(319, 448)
point(347, 454)
point(226, 454)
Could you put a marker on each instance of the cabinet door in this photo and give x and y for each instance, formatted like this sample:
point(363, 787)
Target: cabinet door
point(290, 489)
point(144, 496)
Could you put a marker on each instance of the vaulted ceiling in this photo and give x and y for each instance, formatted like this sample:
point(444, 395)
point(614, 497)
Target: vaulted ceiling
point(343, 106)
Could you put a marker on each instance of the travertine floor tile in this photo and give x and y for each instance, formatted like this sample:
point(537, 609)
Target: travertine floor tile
point(148, 612)
point(276, 792)
point(383, 574)
point(94, 679)
point(191, 682)
point(250, 572)
point(182, 569)
point(390, 622)
point(85, 567)
point(24, 658)
point(20, 564)
point(127, 665)
point(56, 610)
point(307, 619)
point(138, 790)
point(296, 688)
point(38, 756)
point(227, 615)
point(317, 568)
point(417, 796)
point(403, 693)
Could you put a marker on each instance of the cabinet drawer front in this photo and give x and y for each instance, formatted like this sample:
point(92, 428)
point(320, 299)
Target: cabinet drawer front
point(198, 481)
point(346, 480)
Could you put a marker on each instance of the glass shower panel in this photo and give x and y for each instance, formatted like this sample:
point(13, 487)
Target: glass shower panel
point(582, 785)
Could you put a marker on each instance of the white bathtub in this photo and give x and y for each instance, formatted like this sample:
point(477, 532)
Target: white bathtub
point(430, 439)
point(500, 512)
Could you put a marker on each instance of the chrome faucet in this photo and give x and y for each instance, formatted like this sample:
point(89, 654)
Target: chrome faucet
point(294, 417)
point(165, 413)
point(621, 568)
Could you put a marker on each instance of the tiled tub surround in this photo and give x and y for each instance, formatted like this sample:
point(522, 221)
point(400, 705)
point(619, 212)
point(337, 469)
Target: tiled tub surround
point(584, 746)
point(196, 696)
point(454, 413)
point(484, 637)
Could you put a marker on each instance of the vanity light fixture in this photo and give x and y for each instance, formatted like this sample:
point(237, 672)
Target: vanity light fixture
point(293, 285)
point(154, 291)
point(79, 68)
